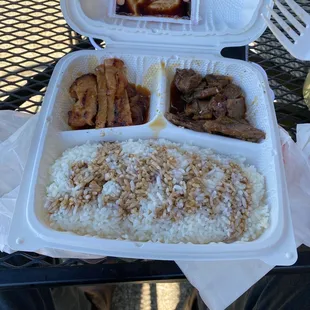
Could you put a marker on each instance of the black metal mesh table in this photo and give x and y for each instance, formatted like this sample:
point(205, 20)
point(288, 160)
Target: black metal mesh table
point(33, 37)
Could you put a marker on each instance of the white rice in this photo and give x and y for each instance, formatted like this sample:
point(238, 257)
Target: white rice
point(99, 219)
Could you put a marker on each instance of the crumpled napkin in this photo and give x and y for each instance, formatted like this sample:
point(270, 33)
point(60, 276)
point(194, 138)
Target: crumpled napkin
point(16, 131)
point(219, 283)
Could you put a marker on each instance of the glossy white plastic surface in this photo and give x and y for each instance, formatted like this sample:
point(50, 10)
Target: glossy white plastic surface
point(154, 69)
point(221, 23)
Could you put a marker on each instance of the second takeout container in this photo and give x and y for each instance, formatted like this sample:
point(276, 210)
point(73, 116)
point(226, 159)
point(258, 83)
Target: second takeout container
point(152, 52)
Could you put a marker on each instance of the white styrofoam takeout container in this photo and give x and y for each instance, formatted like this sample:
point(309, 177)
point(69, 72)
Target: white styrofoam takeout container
point(151, 59)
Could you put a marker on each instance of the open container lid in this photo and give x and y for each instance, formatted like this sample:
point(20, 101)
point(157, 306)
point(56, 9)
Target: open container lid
point(222, 23)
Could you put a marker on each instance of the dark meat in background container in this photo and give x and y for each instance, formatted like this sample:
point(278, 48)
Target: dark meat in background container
point(160, 8)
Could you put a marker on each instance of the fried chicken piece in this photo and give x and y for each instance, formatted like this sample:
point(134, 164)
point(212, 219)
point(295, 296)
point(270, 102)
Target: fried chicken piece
point(102, 114)
point(116, 86)
point(84, 90)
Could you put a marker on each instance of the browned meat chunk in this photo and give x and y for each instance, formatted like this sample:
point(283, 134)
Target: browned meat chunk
point(183, 121)
point(192, 108)
point(205, 93)
point(131, 90)
point(139, 106)
point(118, 108)
point(205, 110)
point(189, 97)
point(234, 128)
point(102, 114)
point(201, 86)
point(84, 90)
point(187, 80)
point(199, 109)
point(116, 84)
point(122, 113)
point(236, 108)
point(219, 105)
point(139, 101)
point(219, 81)
point(232, 91)
point(121, 78)
point(177, 102)
point(110, 74)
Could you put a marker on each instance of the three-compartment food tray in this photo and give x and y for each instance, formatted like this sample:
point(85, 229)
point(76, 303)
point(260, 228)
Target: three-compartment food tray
point(153, 64)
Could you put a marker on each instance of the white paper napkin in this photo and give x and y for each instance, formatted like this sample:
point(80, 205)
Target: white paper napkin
point(221, 283)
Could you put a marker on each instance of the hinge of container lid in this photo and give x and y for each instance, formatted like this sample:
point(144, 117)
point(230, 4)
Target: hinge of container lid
point(158, 49)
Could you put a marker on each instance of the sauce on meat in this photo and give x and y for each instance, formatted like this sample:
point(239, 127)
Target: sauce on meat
point(139, 99)
point(142, 9)
point(107, 99)
point(143, 90)
point(146, 93)
point(177, 104)
point(212, 104)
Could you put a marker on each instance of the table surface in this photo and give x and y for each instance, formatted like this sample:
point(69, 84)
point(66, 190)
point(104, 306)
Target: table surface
point(33, 37)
